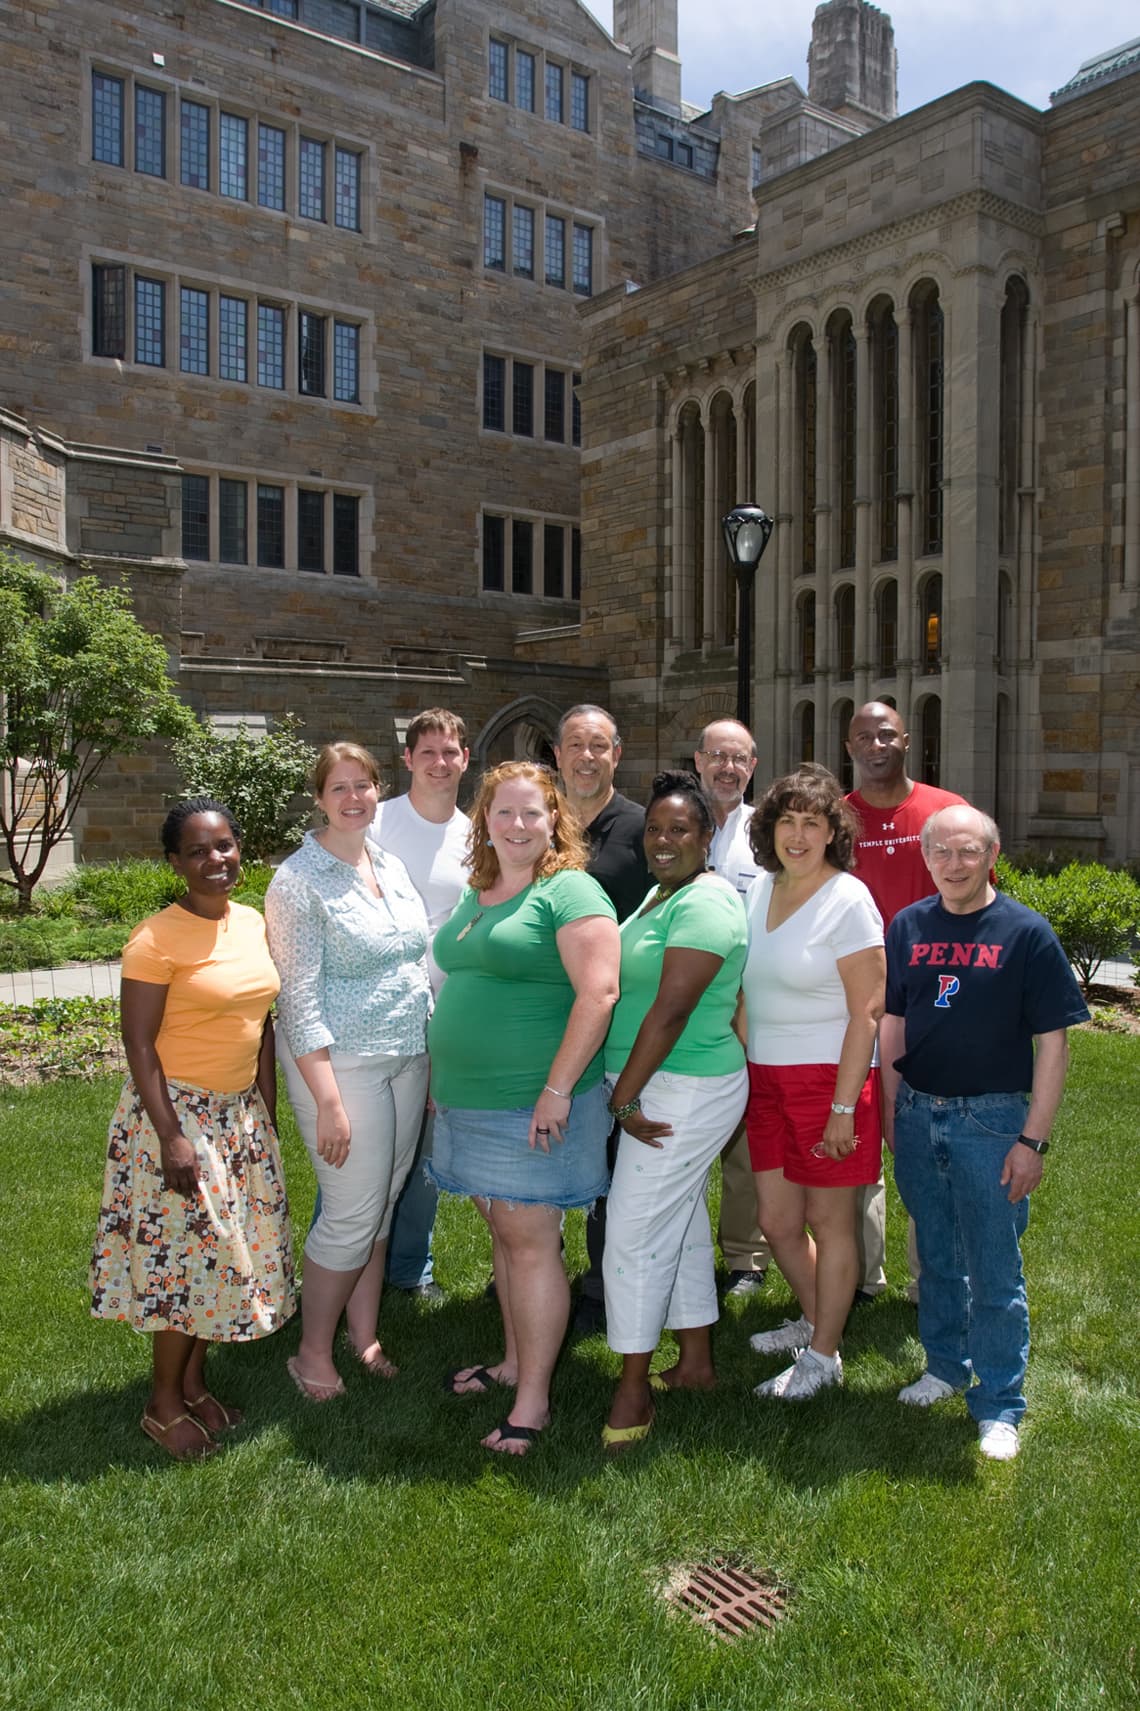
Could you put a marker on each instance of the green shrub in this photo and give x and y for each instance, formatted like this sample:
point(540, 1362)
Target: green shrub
point(258, 778)
point(32, 941)
point(1093, 911)
point(126, 891)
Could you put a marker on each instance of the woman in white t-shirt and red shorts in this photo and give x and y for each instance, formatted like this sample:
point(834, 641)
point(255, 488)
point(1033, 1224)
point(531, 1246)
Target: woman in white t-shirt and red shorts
point(813, 991)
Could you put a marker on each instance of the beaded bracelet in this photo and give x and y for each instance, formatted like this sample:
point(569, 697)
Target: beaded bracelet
point(621, 1112)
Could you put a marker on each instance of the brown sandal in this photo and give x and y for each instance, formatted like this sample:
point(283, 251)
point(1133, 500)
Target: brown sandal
point(231, 1417)
point(157, 1432)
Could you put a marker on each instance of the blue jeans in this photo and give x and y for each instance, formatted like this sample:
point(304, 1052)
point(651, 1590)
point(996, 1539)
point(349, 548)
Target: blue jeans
point(410, 1261)
point(972, 1315)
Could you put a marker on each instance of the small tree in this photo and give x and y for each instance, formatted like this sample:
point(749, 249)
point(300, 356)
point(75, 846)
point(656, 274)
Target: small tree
point(1093, 910)
point(80, 681)
point(257, 777)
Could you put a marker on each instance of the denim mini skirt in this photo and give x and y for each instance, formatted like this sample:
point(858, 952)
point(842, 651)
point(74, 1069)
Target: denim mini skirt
point(485, 1154)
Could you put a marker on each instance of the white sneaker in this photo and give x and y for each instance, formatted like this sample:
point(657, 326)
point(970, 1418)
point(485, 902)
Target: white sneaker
point(997, 1439)
point(811, 1372)
point(790, 1337)
point(926, 1390)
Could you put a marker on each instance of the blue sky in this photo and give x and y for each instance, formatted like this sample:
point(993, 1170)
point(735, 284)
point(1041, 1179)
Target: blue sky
point(1029, 47)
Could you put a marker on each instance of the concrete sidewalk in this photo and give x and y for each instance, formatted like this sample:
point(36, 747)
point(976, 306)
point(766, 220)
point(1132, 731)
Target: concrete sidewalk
point(101, 980)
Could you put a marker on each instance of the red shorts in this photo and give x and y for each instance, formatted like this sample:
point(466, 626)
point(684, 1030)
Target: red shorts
point(788, 1108)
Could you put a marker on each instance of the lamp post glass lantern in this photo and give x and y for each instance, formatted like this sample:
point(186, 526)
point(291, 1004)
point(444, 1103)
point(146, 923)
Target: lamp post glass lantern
point(747, 530)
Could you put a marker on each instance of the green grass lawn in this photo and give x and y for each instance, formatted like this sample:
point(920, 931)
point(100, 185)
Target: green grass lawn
point(371, 1554)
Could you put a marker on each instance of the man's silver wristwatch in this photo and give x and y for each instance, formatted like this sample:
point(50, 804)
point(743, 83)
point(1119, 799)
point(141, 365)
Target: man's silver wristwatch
point(843, 1110)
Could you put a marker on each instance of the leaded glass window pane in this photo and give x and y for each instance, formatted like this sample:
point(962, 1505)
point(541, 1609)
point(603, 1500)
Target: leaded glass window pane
point(271, 167)
point(194, 154)
point(194, 331)
point(270, 345)
point(233, 319)
point(107, 118)
point(233, 150)
point(150, 131)
point(150, 321)
point(196, 517)
point(311, 190)
point(346, 362)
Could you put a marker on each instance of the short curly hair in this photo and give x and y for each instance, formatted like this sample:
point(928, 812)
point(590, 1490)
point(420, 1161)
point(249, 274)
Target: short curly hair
point(688, 785)
point(811, 790)
point(568, 848)
point(172, 826)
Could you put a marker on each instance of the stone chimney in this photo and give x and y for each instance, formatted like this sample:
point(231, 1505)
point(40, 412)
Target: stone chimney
point(648, 28)
point(852, 62)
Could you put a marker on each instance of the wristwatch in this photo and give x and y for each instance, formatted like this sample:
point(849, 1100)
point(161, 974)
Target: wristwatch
point(843, 1110)
point(1040, 1147)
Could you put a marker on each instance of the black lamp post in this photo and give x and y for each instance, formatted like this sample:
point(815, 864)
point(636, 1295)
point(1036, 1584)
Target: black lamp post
point(747, 530)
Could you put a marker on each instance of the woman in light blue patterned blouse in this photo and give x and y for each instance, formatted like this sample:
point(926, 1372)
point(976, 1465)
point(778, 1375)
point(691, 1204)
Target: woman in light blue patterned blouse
point(348, 933)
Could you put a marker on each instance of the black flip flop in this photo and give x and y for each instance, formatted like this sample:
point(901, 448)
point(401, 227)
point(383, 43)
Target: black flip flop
point(477, 1375)
point(515, 1434)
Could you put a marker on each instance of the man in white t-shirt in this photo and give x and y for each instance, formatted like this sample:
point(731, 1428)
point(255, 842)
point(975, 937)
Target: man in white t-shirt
point(725, 760)
point(429, 834)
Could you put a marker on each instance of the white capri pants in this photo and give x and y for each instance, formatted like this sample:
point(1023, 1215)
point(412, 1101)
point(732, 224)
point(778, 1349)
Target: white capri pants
point(659, 1265)
point(384, 1100)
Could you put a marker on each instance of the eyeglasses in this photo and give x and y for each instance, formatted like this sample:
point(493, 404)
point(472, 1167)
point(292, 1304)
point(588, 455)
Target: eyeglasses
point(728, 757)
point(968, 854)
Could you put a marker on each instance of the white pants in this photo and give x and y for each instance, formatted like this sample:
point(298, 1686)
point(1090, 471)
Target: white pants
point(659, 1262)
point(384, 1099)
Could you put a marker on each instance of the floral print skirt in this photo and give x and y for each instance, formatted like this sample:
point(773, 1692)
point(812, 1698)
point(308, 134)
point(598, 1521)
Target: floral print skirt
point(217, 1263)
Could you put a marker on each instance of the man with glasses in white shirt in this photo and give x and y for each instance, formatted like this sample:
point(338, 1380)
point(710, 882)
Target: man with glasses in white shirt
point(725, 760)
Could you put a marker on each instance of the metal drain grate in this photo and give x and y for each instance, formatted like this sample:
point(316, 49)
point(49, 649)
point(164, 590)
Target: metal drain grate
point(725, 1598)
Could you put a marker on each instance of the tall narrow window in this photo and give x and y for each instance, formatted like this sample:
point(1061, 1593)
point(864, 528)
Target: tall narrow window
point(107, 119)
point(497, 70)
point(807, 731)
point(583, 260)
point(554, 93)
point(233, 152)
point(844, 769)
point(806, 416)
point(886, 336)
point(522, 557)
point(555, 250)
point(495, 233)
point(522, 242)
point(575, 564)
point(150, 321)
point(887, 628)
point(579, 101)
point(196, 517)
point(844, 349)
point(845, 632)
point(553, 553)
point(575, 411)
point(494, 554)
point(346, 169)
point(346, 534)
point(311, 179)
point(522, 398)
point(1010, 413)
point(494, 393)
point(233, 540)
point(310, 530)
point(346, 362)
point(194, 331)
point(270, 346)
point(271, 167)
point(311, 354)
point(233, 319)
point(757, 165)
point(194, 145)
point(930, 741)
point(524, 80)
point(807, 636)
point(930, 405)
point(150, 131)
point(271, 526)
point(554, 405)
point(109, 310)
point(930, 612)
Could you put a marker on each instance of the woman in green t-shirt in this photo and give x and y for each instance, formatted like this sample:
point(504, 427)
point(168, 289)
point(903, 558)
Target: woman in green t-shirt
point(679, 1093)
point(531, 959)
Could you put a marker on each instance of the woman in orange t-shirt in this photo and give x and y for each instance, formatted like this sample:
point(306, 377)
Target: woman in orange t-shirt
point(193, 1244)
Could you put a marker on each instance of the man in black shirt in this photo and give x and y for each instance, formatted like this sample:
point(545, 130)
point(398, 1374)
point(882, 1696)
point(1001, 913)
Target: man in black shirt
point(587, 749)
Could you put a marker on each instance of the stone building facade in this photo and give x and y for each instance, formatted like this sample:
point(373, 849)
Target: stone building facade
point(294, 296)
point(924, 361)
